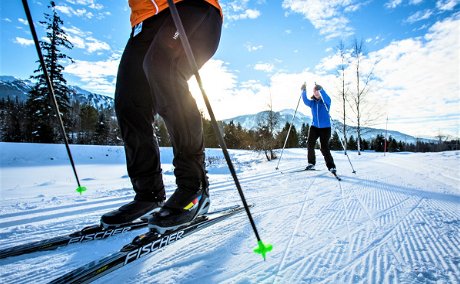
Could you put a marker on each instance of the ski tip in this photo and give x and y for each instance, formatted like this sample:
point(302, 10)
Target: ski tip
point(263, 249)
point(81, 189)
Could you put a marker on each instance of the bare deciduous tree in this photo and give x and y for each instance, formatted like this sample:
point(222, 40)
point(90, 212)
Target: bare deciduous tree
point(266, 125)
point(365, 113)
point(341, 49)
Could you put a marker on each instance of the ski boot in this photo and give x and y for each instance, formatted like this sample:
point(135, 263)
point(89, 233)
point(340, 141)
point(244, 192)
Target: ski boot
point(129, 212)
point(180, 209)
point(310, 167)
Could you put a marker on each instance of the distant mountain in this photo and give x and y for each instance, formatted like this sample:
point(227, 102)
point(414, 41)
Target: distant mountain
point(14, 88)
point(17, 89)
point(250, 121)
point(95, 100)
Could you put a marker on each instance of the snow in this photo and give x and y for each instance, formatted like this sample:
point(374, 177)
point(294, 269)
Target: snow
point(397, 220)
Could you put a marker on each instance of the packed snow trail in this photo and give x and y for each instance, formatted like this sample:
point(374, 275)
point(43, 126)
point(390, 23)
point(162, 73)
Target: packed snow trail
point(396, 220)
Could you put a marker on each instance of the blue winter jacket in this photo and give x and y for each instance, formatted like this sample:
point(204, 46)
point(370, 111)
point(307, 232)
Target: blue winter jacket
point(321, 118)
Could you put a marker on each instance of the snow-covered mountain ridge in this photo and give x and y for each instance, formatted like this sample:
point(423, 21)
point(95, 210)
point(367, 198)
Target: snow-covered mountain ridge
point(250, 121)
point(17, 89)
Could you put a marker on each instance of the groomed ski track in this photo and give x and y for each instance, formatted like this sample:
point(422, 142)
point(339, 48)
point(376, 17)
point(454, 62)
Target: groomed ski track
point(396, 221)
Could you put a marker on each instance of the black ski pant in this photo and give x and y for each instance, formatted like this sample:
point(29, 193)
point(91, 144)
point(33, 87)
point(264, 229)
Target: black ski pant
point(324, 134)
point(152, 79)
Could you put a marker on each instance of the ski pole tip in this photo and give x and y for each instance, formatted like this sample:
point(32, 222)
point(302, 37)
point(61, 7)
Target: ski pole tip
point(81, 189)
point(263, 249)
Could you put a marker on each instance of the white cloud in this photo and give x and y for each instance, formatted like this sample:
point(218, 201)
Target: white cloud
point(84, 40)
point(69, 11)
point(65, 10)
point(247, 14)
point(251, 47)
point(23, 41)
point(96, 45)
point(393, 3)
point(329, 63)
point(419, 81)
point(229, 99)
point(328, 16)
point(90, 3)
point(265, 67)
point(447, 5)
point(419, 16)
point(238, 10)
point(75, 10)
point(97, 76)
point(23, 21)
point(221, 88)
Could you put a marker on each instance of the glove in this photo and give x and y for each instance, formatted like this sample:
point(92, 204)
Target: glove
point(304, 87)
point(318, 88)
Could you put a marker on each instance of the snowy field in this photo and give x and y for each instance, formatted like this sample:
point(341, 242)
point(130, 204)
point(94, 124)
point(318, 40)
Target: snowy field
point(397, 220)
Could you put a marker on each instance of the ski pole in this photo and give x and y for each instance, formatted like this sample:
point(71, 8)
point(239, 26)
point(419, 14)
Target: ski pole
point(262, 248)
point(333, 127)
point(289, 131)
point(80, 189)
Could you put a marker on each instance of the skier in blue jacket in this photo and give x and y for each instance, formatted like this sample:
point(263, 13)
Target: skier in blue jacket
point(320, 104)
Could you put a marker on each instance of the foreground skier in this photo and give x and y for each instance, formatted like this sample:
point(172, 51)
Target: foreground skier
point(152, 79)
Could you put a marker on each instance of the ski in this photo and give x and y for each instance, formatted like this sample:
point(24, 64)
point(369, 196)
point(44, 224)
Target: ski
point(312, 170)
point(336, 176)
point(299, 170)
point(142, 246)
point(90, 233)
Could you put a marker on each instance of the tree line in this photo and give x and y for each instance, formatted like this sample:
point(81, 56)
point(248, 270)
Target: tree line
point(86, 124)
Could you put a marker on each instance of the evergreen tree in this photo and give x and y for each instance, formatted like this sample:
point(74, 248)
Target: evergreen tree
point(12, 120)
point(44, 122)
point(293, 139)
point(114, 133)
point(231, 135)
point(334, 143)
point(102, 132)
point(89, 121)
point(304, 135)
point(74, 124)
point(364, 144)
point(352, 144)
point(392, 145)
point(401, 146)
point(210, 138)
point(379, 143)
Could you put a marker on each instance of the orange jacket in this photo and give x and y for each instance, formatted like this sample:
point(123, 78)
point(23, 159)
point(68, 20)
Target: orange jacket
point(143, 9)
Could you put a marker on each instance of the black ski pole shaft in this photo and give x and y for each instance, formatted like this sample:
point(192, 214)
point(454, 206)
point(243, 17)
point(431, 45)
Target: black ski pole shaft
point(262, 249)
point(289, 131)
point(52, 96)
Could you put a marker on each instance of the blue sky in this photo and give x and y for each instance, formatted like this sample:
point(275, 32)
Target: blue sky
point(269, 48)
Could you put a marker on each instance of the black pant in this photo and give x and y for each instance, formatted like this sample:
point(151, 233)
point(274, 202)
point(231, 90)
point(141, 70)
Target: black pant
point(324, 135)
point(152, 79)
